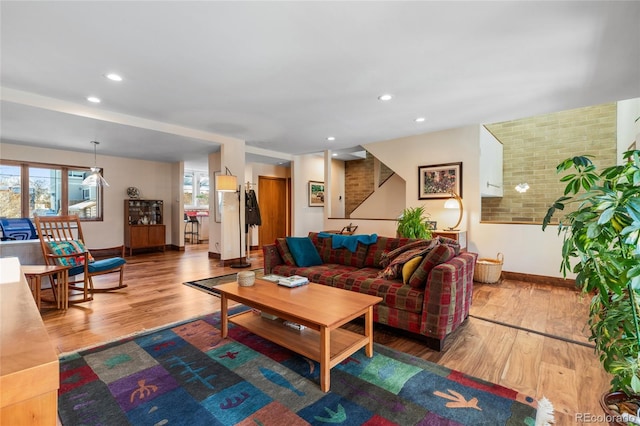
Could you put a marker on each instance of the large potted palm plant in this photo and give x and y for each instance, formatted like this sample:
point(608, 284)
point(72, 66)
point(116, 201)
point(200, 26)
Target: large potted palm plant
point(601, 248)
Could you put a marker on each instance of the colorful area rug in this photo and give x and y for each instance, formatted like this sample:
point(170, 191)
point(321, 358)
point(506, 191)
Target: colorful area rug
point(208, 284)
point(187, 374)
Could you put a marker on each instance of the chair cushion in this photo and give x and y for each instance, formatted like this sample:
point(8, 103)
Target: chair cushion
point(106, 264)
point(98, 266)
point(303, 251)
point(69, 247)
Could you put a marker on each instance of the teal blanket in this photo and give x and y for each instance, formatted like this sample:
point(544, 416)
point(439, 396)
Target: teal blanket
point(349, 242)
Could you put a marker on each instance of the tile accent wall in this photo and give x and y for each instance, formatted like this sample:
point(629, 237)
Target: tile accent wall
point(533, 147)
point(358, 182)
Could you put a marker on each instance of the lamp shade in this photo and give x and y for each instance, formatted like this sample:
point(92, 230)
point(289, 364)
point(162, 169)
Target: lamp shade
point(451, 203)
point(455, 203)
point(95, 178)
point(226, 183)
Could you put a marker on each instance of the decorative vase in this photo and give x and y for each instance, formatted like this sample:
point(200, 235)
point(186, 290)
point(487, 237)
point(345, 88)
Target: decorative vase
point(246, 278)
point(613, 404)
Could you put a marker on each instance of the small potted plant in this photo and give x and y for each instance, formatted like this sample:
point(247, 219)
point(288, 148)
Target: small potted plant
point(413, 223)
point(601, 247)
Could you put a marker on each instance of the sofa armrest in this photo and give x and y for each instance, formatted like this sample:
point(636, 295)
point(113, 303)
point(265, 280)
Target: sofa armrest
point(271, 257)
point(447, 297)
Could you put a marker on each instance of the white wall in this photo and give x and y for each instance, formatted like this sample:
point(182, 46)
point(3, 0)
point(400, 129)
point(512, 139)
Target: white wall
point(153, 179)
point(337, 188)
point(526, 248)
point(628, 128)
point(387, 201)
point(305, 219)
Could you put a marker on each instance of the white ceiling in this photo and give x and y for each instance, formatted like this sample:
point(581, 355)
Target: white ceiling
point(286, 75)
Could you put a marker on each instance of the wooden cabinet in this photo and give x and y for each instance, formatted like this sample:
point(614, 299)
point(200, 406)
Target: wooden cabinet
point(144, 227)
point(459, 236)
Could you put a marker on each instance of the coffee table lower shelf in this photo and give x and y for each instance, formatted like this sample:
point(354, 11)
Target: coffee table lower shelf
point(306, 342)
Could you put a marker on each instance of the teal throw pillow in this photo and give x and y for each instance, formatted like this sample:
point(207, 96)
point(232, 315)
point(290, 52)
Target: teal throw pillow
point(303, 251)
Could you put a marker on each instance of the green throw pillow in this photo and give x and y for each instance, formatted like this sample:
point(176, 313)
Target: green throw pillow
point(303, 251)
point(69, 247)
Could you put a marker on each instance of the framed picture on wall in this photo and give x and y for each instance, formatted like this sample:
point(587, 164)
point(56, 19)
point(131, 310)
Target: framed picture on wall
point(439, 181)
point(316, 194)
point(217, 200)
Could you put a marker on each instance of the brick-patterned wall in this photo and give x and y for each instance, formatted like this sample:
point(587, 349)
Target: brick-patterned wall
point(385, 173)
point(358, 182)
point(533, 147)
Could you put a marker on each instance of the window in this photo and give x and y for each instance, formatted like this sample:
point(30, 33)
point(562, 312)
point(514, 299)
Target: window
point(29, 189)
point(10, 191)
point(196, 189)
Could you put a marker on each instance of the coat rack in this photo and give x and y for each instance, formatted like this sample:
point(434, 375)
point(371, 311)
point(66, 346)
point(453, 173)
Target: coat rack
point(247, 239)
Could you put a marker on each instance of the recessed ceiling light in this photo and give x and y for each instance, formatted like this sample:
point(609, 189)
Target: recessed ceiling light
point(113, 76)
point(385, 97)
point(93, 99)
point(334, 154)
point(420, 119)
point(331, 138)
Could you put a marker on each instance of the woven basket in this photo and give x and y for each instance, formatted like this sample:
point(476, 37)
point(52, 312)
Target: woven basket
point(246, 278)
point(488, 270)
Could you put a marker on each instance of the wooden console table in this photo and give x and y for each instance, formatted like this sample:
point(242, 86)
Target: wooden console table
point(29, 367)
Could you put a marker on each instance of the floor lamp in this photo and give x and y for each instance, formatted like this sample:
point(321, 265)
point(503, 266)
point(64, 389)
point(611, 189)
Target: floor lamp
point(229, 183)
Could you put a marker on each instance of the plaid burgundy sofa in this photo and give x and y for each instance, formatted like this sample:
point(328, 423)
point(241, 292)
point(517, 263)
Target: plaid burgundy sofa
point(432, 310)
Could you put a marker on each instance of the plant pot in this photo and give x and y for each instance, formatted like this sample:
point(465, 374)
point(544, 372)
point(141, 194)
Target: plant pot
point(612, 404)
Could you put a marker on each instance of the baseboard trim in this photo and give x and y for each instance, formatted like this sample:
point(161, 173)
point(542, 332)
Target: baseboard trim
point(539, 279)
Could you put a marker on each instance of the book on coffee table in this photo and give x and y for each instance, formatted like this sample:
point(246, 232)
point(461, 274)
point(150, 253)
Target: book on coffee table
point(273, 278)
point(293, 281)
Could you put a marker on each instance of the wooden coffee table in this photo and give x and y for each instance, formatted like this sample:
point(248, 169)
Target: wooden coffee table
point(321, 309)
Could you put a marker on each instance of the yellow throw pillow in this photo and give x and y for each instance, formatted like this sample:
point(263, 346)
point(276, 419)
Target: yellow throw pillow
point(409, 268)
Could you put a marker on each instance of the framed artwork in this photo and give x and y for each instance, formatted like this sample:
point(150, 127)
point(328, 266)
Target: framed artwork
point(316, 194)
point(439, 181)
point(217, 201)
point(432, 224)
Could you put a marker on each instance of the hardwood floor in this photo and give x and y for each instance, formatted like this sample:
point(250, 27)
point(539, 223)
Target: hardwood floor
point(534, 363)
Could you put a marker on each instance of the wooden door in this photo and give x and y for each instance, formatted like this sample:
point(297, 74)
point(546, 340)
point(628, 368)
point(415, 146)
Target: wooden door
point(272, 199)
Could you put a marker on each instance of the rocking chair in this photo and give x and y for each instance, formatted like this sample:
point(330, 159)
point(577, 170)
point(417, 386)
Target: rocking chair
point(63, 244)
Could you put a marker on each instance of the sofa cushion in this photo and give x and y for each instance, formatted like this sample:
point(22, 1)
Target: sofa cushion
point(285, 254)
point(451, 243)
point(393, 292)
point(303, 251)
point(409, 268)
point(341, 255)
point(440, 254)
point(384, 244)
point(394, 260)
point(325, 273)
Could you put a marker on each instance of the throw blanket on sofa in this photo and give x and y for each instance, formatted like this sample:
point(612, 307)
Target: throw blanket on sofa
point(349, 242)
point(394, 260)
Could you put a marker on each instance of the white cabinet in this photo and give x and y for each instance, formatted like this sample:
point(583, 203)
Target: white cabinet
point(491, 183)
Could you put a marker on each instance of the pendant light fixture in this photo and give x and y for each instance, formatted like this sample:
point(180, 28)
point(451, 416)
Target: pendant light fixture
point(95, 178)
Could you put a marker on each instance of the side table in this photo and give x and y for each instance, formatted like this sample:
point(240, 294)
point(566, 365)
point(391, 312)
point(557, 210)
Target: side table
point(60, 273)
point(459, 236)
